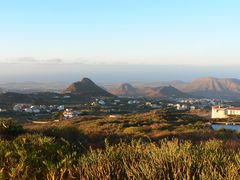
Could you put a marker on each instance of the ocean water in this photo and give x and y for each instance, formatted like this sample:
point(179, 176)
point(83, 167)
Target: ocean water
point(222, 126)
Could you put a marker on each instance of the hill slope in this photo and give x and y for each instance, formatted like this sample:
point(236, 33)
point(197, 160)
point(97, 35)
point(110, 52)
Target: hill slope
point(86, 87)
point(163, 92)
point(126, 89)
point(153, 92)
point(211, 87)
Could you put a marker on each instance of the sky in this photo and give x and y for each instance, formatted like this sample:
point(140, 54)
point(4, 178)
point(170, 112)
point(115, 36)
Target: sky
point(110, 34)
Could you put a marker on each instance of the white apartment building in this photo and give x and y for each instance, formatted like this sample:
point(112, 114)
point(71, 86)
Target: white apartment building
point(221, 113)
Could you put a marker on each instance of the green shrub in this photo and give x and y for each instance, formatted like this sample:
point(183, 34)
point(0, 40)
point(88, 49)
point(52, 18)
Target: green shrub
point(9, 128)
point(133, 130)
point(169, 160)
point(40, 157)
point(36, 157)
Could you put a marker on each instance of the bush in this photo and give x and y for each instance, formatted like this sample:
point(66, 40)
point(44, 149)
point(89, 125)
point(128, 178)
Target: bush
point(169, 160)
point(40, 157)
point(9, 128)
point(133, 130)
point(36, 157)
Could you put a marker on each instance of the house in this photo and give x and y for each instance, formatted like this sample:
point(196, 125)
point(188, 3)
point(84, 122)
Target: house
point(148, 104)
point(133, 102)
point(93, 104)
point(61, 108)
point(192, 108)
point(66, 97)
point(233, 111)
point(35, 109)
point(19, 107)
point(221, 113)
point(101, 102)
point(68, 113)
point(130, 102)
point(181, 107)
point(155, 106)
point(28, 110)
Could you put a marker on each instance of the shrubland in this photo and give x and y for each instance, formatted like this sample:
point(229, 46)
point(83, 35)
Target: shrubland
point(154, 145)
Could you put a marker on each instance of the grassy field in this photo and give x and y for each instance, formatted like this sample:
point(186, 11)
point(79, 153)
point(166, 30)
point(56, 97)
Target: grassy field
point(153, 145)
point(153, 125)
point(39, 157)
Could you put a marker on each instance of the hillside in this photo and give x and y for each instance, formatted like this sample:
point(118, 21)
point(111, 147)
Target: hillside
point(153, 92)
point(211, 87)
point(86, 87)
point(126, 89)
point(157, 145)
point(163, 92)
point(206, 87)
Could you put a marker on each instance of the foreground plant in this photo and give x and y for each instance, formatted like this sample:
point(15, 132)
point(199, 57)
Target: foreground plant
point(40, 157)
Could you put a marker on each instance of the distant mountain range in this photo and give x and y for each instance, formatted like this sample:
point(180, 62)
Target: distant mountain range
point(211, 87)
point(163, 92)
point(206, 87)
point(86, 87)
point(127, 89)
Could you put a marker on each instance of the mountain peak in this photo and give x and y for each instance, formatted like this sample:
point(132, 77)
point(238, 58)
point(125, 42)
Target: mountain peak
point(86, 87)
point(126, 89)
point(86, 80)
point(166, 91)
point(211, 87)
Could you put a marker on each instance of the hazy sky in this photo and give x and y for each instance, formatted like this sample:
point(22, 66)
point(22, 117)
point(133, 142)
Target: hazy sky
point(112, 32)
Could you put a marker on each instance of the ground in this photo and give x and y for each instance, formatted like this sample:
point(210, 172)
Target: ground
point(160, 144)
point(153, 125)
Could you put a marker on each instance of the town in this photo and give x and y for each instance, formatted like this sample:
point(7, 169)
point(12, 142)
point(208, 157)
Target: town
point(113, 106)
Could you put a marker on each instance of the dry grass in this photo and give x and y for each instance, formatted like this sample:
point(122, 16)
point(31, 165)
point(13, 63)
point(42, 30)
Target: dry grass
point(39, 157)
point(154, 125)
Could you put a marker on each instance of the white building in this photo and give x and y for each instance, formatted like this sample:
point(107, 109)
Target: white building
point(181, 107)
point(101, 102)
point(35, 109)
point(28, 110)
point(221, 113)
point(61, 108)
point(68, 113)
point(66, 97)
point(233, 111)
point(192, 108)
point(18, 107)
point(130, 102)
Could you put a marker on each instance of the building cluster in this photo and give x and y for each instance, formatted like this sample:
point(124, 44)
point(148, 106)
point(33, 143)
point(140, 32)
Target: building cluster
point(35, 109)
point(3, 110)
point(154, 105)
point(200, 103)
point(112, 106)
point(139, 104)
point(219, 112)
